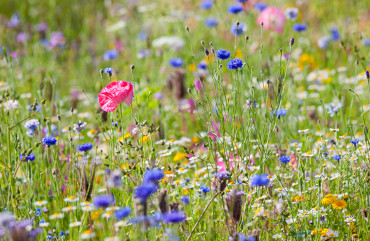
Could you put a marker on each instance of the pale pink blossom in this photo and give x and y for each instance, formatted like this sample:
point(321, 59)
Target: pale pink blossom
point(272, 18)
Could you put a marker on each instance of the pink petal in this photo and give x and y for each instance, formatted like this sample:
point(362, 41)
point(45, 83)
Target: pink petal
point(114, 94)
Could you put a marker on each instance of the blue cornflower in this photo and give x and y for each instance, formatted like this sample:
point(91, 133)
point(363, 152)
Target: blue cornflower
point(234, 9)
point(42, 221)
point(278, 112)
point(103, 201)
point(110, 54)
point(122, 213)
point(108, 71)
point(30, 157)
point(333, 108)
point(238, 30)
point(242, 1)
point(211, 22)
point(323, 42)
point(61, 233)
point(185, 199)
point(260, 6)
point(49, 140)
point(222, 54)
point(367, 42)
point(335, 36)
point(153, 175)
point(355, 141)
point(114, 123)
point(85, 147)
point(142, 36)
point(49, 237)
point(174, 217)
point(299, 27)
point(235, 64)
point(202, 65)
point(204, 189)
point(31, 125)
point(176, 62)
point(260, 180)
point(38, 212)
point(337, 157)
point(206, 4)
point(145, 190)
point(284, 159)
point(291, 13)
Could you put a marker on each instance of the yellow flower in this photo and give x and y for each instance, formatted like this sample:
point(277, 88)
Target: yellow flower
point(192, 68)
point(195, 139)
point(306, 59)
point(328, 199)
point(339, 204)
point(238, 53)
point(179, 156)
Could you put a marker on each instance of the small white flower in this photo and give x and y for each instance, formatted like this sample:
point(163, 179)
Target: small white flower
point(87, 234)
point(74, 224)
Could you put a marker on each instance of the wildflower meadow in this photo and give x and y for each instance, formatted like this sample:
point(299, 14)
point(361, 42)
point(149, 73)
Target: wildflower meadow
point(238, 120)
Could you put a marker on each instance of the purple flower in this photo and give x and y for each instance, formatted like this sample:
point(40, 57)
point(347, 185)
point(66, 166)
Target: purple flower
point(56, 39)
point(174, 217)
point(22, 37)
point(103, 201)
point(144, 191)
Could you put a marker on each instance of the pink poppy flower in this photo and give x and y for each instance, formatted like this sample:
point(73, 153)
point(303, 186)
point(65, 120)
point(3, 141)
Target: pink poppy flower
point(272, 18)
point(114, 94)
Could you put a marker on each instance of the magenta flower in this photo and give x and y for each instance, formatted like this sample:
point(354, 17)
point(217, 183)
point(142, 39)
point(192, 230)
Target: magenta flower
point(114, 94)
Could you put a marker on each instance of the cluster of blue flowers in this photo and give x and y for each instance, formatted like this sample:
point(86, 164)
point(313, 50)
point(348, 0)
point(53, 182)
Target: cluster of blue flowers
point(222, 54)
point(30, 157)
point(149, 186)
point(278, 112)
point(260, 180)
point(31, 125)
point(49, 141)
point(84, 147)
point(284, 159)
point(235, 64)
